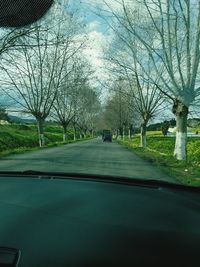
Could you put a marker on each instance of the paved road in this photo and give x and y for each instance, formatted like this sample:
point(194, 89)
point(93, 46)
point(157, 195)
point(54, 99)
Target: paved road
point(94, 157)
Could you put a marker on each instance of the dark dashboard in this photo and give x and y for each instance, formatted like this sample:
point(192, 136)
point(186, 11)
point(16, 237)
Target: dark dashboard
point(79, 222)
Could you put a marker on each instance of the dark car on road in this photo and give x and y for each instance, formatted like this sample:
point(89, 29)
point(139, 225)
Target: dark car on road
point(107, 136)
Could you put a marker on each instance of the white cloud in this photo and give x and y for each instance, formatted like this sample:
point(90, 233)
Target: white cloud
point(94, 52)
point(92, 26)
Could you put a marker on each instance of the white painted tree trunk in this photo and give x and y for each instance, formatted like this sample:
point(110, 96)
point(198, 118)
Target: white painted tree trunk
point(41, 140)
point(123, 133)
point(64, 137)
point(181, 112)
point(40, 124)
point(143, 141)
point(74, 133)
point(180, 145)
point(64, 133)
point(143, 138)
point(129, 134)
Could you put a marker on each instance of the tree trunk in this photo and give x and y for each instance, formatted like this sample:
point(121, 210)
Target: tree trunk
point(143, 137)
point(74, 133)
point(118, 134)
point(181, 113)
point(129, 133)
point(64, 133)
point(123, 133)
point(85, 133)
point(40, 124)
point(115, 134)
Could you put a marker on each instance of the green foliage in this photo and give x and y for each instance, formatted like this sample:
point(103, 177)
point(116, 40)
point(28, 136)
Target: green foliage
point(70, 134)
point(21, 127)
point(3, 114)
point(160, 152)
point(15, 136)
point(154, 133)
point(21, 136)
point(159, 125)
point(162, 144)
point(165, 145)
point(53, 129)
point(165, 127)
point(193, 151)
point(194, 123)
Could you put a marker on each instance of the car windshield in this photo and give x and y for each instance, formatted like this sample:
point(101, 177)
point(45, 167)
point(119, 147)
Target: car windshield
point(101, 87)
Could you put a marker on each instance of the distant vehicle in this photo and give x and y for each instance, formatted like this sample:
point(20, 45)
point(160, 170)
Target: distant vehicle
point(107, 136)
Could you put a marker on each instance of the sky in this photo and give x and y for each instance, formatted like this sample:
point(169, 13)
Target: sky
point(99, 34)
point(99, 37)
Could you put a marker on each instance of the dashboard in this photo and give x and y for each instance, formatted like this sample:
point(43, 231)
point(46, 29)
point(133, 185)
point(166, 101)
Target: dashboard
point(85, 223)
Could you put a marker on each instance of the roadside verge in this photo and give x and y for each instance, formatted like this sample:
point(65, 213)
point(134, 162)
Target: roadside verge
point(184, 171)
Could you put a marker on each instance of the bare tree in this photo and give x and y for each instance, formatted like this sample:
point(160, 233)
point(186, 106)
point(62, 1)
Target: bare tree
point(35, 71)
point(119, 114)
point(169, 32)
point(67, 100)
point(88, 110)
point(63, 108)
point(136, 85)
point(8, 38)
point(80, 84)
point(147, 100)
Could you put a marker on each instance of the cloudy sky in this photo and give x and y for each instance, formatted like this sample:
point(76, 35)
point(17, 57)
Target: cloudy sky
point(99, 34)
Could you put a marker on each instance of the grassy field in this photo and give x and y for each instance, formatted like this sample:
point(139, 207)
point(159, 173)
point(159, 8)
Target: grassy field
point(160, 152)
point(16, 138)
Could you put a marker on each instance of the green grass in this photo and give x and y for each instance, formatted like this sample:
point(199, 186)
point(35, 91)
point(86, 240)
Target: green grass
point(15, 138)
point(159, 151)
point(152, 133)
point(194, 129)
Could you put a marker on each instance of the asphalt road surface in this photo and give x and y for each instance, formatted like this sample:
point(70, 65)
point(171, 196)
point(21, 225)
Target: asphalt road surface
point(93, 156)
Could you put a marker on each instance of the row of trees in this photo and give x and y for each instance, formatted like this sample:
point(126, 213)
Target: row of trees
point(45, 74)
point(156, 52)
point(154, 62)
point(119, 113)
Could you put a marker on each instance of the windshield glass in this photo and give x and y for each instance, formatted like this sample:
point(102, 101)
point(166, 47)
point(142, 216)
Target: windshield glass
point(101, 87)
